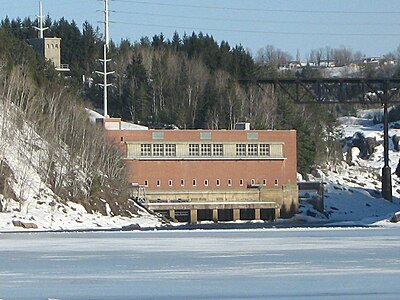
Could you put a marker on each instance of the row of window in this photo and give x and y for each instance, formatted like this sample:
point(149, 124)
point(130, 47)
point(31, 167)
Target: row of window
point(206, 182)
point(52, 46)
point(169, 150)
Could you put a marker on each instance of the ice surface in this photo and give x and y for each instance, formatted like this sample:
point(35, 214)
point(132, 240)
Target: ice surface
point(304, 263)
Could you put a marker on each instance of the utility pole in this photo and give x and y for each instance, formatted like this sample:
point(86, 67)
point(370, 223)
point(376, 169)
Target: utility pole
point(40, 17)
point(386, 171)
point(104, 60)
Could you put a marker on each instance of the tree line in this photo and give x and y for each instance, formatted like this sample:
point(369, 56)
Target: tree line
point(191, 81)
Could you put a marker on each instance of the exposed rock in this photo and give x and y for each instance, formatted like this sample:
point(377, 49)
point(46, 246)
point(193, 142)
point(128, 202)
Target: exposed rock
point(29, 225)
point(397, 171)
point(396, 140)
point(395, 218)
point(130, 227)
point(365, 145)
point(17, 223)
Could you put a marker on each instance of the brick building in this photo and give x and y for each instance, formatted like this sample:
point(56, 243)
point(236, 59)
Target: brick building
point(216, 175)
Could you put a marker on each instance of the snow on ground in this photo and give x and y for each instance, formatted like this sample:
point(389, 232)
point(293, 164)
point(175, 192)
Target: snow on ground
point(23, 150)
point(353, 192)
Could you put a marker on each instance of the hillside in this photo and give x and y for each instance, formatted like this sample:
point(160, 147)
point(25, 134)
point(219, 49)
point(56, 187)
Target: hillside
point(352, 187)
point(26, 200)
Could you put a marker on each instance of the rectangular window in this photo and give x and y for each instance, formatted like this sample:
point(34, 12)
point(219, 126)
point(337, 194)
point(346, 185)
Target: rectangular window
point(205, 135)
point(264, 150)
point(194, 182)
point(218, 182)
point(157, 135)
point(252, 149)
point(229, 182)
point(264, 182)
point(182, 182)
point(158, 183)
point(170, 150)
point(146, 183)
point(241, 182)
point(205, 182)
point(158, 149)
point(145, 149)
point(240, 149)
point(253, 182)
point(205, 150)
point(252, 135)
point(218, 150)
point(170, 182)
point(276, 181)
point(194, 150)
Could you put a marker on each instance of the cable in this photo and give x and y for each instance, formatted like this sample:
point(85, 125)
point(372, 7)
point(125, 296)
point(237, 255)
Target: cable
point(254, 21)
point(261, 9)
point(262, 32)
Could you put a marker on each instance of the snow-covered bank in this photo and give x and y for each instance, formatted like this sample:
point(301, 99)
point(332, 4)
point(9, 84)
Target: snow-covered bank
point(353, 188)
point(28, 203)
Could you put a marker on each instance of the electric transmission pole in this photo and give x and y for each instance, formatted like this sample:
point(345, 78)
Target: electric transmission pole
point(104, 60)
point(40, 17)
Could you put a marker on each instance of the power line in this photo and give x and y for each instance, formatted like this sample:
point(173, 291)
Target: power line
point(260, 9)
point(261, 31)
point(255, 20)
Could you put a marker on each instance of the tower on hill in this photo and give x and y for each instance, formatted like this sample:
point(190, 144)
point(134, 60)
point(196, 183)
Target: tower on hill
point(48, 47)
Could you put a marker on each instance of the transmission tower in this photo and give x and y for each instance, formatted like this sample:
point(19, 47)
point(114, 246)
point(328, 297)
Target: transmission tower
point(40, 17)
point(104, 60)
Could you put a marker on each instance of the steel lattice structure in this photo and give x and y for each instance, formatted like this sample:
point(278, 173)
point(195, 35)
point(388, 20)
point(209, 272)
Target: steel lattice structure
point(347, 91)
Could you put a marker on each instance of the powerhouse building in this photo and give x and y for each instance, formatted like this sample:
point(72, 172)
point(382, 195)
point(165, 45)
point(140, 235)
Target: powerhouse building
point(211, 175)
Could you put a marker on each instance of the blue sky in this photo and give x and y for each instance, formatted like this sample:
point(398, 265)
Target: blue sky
point(369, 26)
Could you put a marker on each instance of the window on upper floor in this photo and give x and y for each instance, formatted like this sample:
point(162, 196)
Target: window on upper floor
point(240, 149)
point(158, 149)
point(170, 150)
point(252, 149)
point(194, 150)
point(145, 149)
point(218, 150)
point(264, 150)
point(205, 149)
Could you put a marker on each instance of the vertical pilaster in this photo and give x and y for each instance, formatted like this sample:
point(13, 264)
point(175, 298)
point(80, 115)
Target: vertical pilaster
point(193, 216)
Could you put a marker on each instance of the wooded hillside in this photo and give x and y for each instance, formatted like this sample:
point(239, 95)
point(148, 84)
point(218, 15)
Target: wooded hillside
point(191, 82)
point(48, 120)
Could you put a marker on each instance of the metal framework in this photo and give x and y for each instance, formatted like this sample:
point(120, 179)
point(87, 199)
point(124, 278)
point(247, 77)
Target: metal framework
point(344, 90)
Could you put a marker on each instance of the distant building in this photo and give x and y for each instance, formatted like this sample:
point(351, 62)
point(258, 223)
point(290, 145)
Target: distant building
point(211, 175)
point(50, 48)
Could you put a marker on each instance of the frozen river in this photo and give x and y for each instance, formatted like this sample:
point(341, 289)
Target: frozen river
point(255, 264)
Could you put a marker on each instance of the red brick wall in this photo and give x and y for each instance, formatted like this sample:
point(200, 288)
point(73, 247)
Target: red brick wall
point(283, 170)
